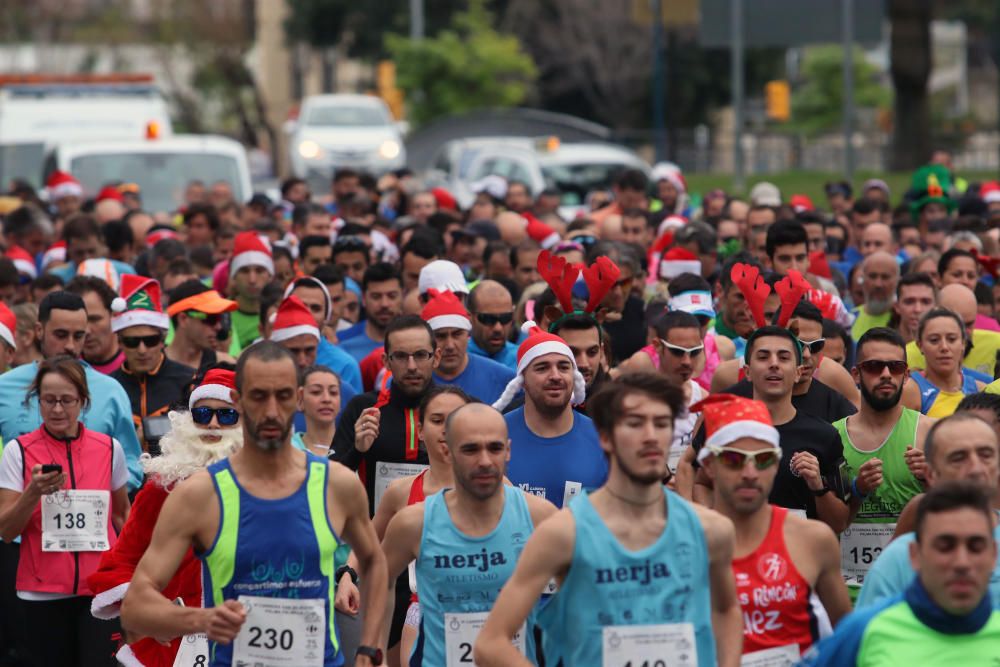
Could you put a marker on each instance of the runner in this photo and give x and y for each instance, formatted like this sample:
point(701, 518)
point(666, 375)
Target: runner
point(251, 267)
point(780, 558)
point(631, 559)
point(269, 585)
point(883, 448)
point(466, 540)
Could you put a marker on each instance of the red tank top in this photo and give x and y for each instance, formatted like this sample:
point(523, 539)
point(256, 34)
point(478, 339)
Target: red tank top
point(773, 595)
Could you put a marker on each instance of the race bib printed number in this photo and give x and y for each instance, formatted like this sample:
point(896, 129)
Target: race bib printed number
point(779, 656)
point(387, 473)
point(860, 545)
point(76, 520)
point(281, 633)
point(193, 651)
point(460, 632)
point(666, 645)
point(571, 491)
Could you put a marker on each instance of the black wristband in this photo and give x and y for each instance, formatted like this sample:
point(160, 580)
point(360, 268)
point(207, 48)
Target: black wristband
point(339, 574)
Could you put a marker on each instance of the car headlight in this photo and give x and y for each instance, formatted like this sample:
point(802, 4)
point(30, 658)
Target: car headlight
point(389, 149)
point(309, 149)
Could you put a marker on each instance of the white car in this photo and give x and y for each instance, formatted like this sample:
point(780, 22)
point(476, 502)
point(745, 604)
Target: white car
point(354, 131)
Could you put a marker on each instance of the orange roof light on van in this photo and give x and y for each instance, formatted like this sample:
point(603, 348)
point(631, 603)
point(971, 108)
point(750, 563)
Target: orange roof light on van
point(152, 130)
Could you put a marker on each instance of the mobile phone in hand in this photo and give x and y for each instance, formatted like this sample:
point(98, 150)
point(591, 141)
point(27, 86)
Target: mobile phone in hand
point(51, 467)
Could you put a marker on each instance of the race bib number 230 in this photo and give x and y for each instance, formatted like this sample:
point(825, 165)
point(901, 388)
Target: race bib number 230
point(280, 632)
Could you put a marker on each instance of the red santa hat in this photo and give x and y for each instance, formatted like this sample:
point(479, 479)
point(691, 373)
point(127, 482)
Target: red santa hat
point(729, 418)
point(157, 235)
point(8, 325)
point(218, 383)
point(62, 184)
point(990, 191)
point(538, 344)
point(677, 261)
point(539, 232)
point(293, 319)
point(801, 203)
point(251, 249)
point(55, 253)
point(444, 310)
point(665, 171)
point(138, 305)
point(22, 261)
point(445, 200)
point(109, 192)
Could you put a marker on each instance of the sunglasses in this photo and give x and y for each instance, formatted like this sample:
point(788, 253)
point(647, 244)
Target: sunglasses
point(815, 346)
point(876, 366)
point(226, 416)
point(132, 342)
point(205, 318)
point(736, 459)
point(584, 239)
point(491, 319)
point(679, 351)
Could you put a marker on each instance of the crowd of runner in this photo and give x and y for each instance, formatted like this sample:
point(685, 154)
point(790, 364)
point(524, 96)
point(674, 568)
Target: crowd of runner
point(367, 427)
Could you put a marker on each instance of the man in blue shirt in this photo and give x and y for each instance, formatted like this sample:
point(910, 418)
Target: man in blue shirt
point(383, 302)
point(316, 297)
point(62, 327)
point(492, 311)
point(477, 376)
point(555, 452)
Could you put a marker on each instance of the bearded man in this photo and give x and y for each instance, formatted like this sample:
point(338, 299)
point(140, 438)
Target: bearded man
point(208, 433)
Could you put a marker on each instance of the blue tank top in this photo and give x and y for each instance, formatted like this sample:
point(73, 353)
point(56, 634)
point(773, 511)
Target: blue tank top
point(934, 402)
point(607, 585)
point(459, 574)
point(281, 548)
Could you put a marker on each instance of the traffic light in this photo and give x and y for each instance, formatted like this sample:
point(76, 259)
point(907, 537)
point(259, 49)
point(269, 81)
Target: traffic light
point(779, 98)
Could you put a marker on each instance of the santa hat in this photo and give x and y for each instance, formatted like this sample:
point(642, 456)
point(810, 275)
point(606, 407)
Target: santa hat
point(22, 261)
point(445, 200)
point(109, 192)
point(801, 203)
point(444, 310)
point(671, 222)
point(61, 184)
point(990, 191)
point(218, 383)
point(138, 305)
point(728, 418)
point(664, 171)
point(157, 235)
point(8, 325)
point(250, 249)
point(539, 232)
point(55, 253)
point(538, 344)
point(677, 261)
point(293, 319)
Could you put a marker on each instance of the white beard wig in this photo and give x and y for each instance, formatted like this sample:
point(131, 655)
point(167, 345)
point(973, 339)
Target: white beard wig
point(185, 453)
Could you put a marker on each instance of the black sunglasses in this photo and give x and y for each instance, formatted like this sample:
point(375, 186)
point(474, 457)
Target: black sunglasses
point(132, 342)
point(876, 366)
point(226, 416)
point(490, 319)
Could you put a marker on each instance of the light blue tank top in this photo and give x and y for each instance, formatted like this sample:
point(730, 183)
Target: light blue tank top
point(607, 585)
point(459, 574)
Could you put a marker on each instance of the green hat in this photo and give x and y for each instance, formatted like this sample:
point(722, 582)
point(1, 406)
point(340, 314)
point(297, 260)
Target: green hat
point(931, 184)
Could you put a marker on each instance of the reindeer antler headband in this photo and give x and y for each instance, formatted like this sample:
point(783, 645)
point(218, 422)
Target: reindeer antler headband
point(791, 289)
point(560, 275)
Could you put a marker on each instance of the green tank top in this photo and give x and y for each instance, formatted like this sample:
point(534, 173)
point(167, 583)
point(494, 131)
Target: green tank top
point(875, 523)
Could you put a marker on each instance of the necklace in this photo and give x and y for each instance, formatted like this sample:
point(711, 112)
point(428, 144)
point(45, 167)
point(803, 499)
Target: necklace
point(632, 502)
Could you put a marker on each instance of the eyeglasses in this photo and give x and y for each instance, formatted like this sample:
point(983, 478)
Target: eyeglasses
point(205, 318)
point(132, 342)
point(815, 346)
point(492, 319)
point(876, 366)
point(584, 239)
point(65, 401)
point(679, 351)
point(226, 416)
point(736, 459)
point(400, 357)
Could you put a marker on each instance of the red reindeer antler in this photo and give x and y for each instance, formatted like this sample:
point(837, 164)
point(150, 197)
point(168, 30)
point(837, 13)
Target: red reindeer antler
point(600, 277)
point(755, 290)
point(560, 276)
point(991, 264)
point(791, 289)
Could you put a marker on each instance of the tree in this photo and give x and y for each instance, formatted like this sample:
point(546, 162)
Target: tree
point(818, 104)
point(467, 66)
point(910, 53)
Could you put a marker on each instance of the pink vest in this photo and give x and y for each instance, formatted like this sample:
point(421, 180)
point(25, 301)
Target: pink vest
point(86, 462)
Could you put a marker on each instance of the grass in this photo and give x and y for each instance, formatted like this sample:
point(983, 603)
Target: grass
point(811, 182)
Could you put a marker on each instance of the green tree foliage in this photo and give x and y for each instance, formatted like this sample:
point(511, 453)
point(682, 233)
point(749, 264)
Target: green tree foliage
point(817, 103)
point(467, 66)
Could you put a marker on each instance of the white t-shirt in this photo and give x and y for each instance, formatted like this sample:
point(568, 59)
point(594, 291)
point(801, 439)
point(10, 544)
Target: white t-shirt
point(12, 479)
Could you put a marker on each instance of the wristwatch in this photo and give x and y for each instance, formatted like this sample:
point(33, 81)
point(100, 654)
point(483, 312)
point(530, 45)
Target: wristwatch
point(375, 654)
point(339, 574)
point(821, 492)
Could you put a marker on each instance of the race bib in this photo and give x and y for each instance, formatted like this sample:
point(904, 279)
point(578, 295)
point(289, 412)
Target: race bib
point(460, 632)
point(860, 545)
point(280, 632)
point(387, 473)
point(648, 645)
point(571, 491)
point(779, 656)
point(76, 520)
point(193, 651)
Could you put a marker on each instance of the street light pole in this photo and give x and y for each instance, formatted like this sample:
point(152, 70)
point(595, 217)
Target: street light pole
point(416, 20)
point(847, 33)
point(736, 32)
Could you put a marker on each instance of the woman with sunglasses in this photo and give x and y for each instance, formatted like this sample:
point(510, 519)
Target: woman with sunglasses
point(63, 490)
point(319, 401)
point(208, 432)
point(942, 339)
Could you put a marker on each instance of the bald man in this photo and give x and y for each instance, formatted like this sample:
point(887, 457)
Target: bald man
point(981, 358)
point(107, 210)
point(492, 311)
point(879, 275)
point(877, 236)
